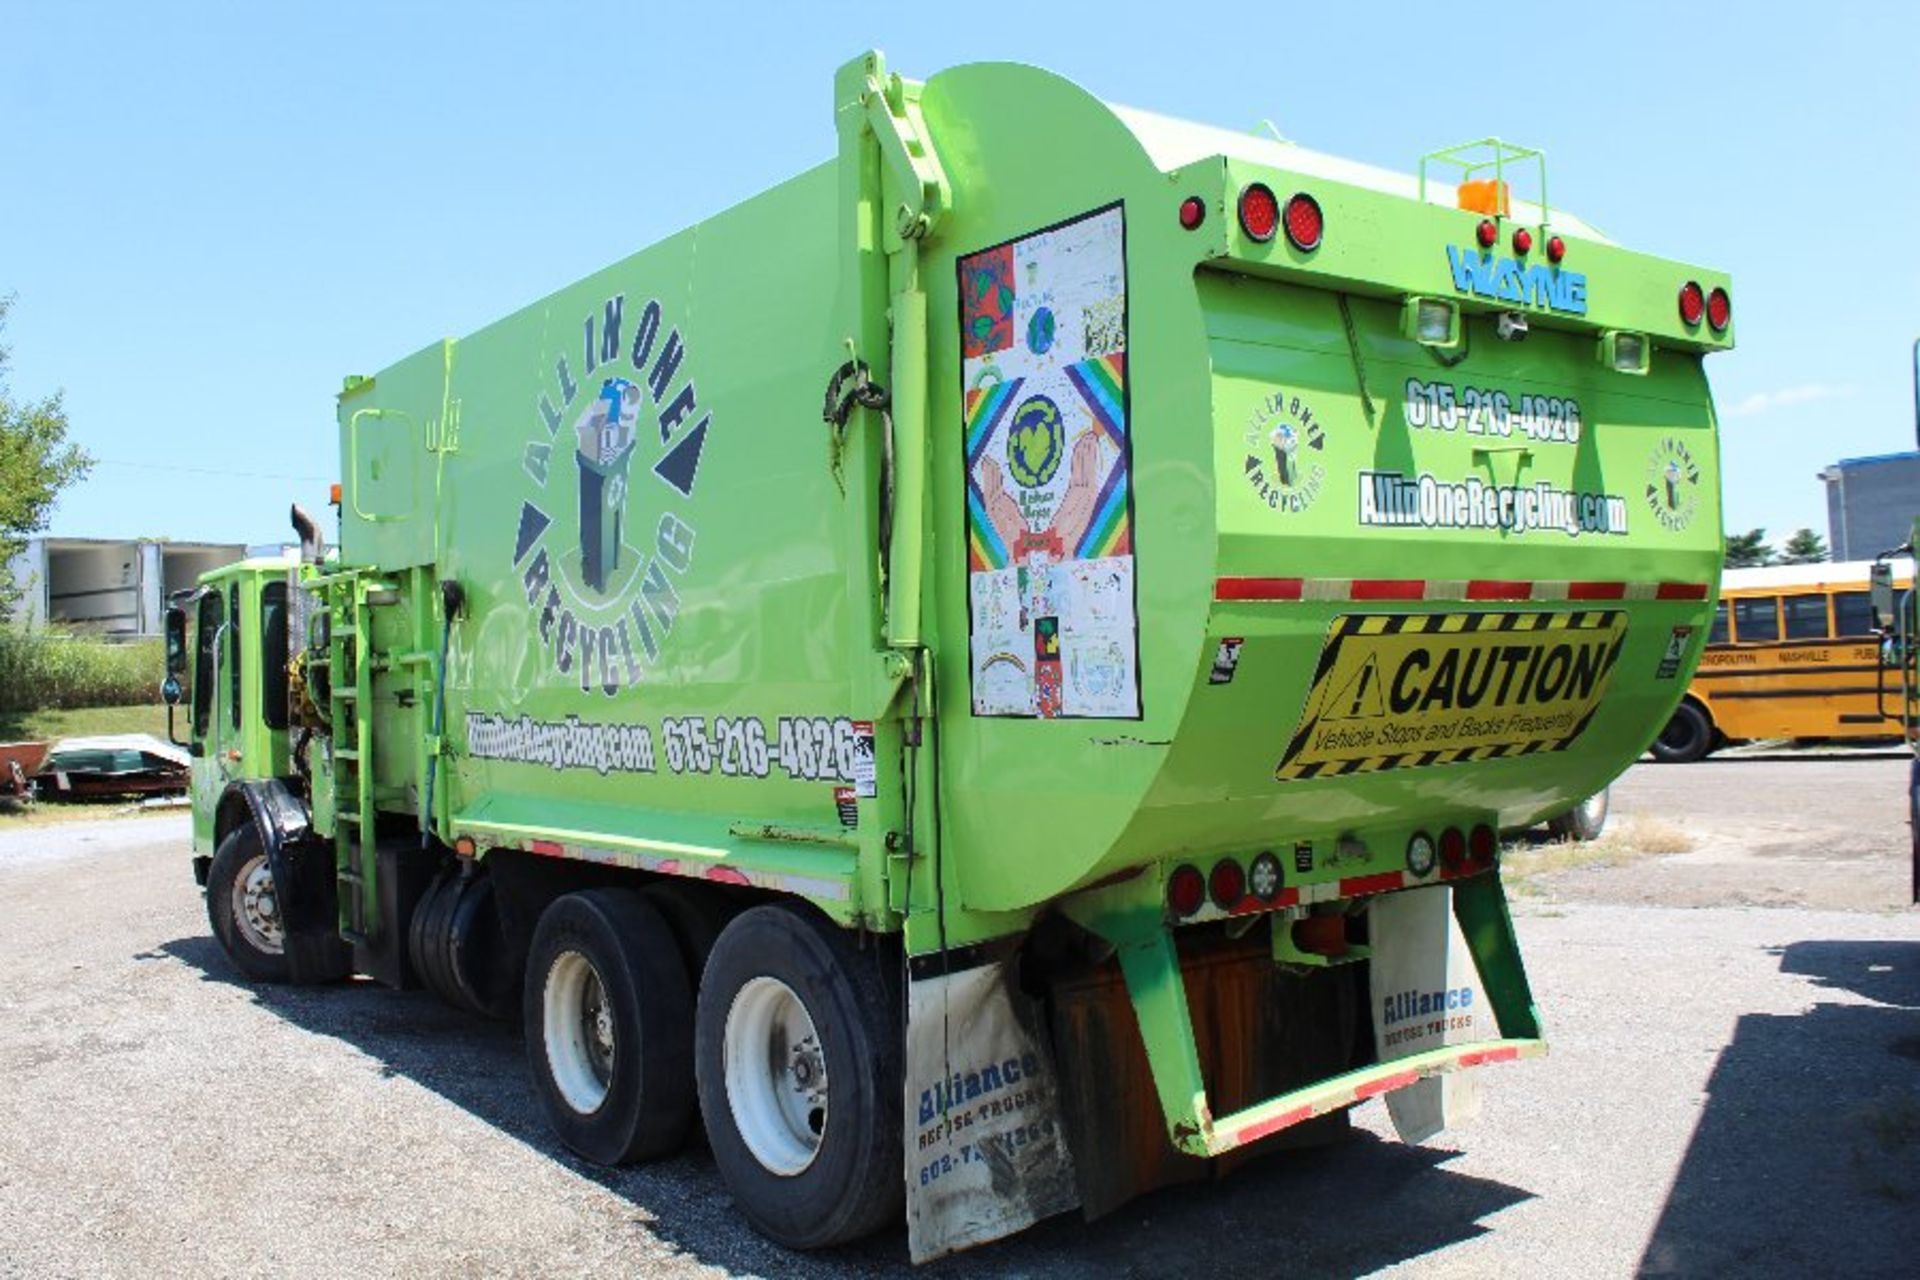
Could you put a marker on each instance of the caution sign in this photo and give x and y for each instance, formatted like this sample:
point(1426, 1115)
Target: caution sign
point(1394, 691)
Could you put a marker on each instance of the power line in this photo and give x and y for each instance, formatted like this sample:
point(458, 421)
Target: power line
point(209, 471)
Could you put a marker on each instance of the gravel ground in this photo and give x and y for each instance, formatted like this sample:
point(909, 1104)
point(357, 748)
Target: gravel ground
point(1732, 1090)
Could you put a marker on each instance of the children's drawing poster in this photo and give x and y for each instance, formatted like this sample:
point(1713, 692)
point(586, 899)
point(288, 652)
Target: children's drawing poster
point(1050, 585)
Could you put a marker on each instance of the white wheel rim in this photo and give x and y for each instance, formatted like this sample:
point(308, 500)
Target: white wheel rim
point(578, 1028)
point(1594, 808)
point(256, 907)
point(776, 1071)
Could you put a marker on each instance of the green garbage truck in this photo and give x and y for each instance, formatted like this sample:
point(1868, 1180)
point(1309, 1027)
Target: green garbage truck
point(988, 675)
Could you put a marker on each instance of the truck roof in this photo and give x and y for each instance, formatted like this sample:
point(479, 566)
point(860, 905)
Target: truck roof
point(1172, 143)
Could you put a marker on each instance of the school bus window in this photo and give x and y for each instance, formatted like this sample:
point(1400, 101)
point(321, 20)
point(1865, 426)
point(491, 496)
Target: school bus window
point(1718, 633)
point(1756, 620)
point(1852, 613)
point(1806, 616)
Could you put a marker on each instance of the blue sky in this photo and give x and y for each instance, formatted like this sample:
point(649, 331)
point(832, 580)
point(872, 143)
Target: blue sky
point(212, 212)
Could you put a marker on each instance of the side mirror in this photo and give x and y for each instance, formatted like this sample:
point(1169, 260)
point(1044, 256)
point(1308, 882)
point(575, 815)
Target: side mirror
point(176, 650)
point(170, 690)
point(1880, 581)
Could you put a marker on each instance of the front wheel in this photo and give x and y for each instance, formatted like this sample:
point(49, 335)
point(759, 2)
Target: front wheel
point(1688, 736)
point(1584, 821)
point(609, 1023)
point(243, 906)
point(798, 1057)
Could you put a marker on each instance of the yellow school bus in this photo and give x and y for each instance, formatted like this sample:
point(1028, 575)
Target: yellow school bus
point(1793, 653)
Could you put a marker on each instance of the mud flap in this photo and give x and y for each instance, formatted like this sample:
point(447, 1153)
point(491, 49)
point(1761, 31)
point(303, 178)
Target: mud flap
point(1427, 994)
point(987, 1152)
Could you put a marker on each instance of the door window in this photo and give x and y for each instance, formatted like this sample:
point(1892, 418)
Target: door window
point(206, 635)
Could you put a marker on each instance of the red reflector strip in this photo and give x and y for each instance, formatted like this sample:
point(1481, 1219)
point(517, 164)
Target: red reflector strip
point(1258, 588)
point(1360, 886)
point(1494, 589)
point(1389, 589)
point(1272, 1124)
point(550, 848)
point(1386, 1085)
point(1682, 591)
point(1490, 1055)
point(1434, 590)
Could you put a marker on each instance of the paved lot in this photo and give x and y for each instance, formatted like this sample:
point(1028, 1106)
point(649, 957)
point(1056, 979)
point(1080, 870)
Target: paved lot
point(1734, 1089)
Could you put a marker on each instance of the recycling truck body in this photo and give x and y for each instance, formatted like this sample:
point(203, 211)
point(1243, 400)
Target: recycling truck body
point(990, 673)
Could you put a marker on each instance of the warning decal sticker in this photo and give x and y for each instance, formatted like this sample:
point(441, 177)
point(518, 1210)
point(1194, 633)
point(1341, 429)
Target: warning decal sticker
point(1403, 692)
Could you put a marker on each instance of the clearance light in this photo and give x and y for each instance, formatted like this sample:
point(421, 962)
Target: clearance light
point(1625, 352)
point(1263, 878)
point(1487, 233)
point(1719, 310)
point(1259, 212)
point(1522, 242)
point(1482, 844)
point(1453, 848)
point(1193, 212)
point(1431, 322)
point(1693, 303)
point(1556, 249)
point(1186, 890)
point(1420, 854)
point(1227, 885)
point(1305, 222)
point(333, 494)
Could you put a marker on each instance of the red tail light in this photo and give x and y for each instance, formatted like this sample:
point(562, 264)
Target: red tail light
point(1556, 248)
point(1522, 242)
point(1305, 223)
point(1719, 310)
point(1482, 843)
point(1186, 890)
point(1259, 212)
point(1193, 212)
point(1453, 848)
point(1693, 303)
point(1487, 233)
point(1227, 885)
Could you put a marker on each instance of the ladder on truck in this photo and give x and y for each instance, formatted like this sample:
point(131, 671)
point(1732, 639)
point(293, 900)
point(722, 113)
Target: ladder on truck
point(353, 661)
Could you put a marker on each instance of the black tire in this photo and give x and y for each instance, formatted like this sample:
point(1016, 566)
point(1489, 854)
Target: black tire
point(423, 941)
point(1687, 737)
point(647, 1099)
point(697, 914)
point(852, 1184)
point(483, 967)
point(1585, 821)
point(240, 852)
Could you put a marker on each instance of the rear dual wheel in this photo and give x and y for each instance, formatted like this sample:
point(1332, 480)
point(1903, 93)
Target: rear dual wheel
point(458, 948)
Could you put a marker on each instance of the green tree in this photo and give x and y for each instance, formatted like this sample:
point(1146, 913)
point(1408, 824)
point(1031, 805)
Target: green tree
point(1748, 550)
point(36, 462)
point(1804, 547)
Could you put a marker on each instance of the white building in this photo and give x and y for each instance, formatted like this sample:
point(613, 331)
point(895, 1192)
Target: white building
point(111, 587)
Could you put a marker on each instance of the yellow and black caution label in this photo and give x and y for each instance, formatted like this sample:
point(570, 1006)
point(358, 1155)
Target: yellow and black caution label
point(1400, 691)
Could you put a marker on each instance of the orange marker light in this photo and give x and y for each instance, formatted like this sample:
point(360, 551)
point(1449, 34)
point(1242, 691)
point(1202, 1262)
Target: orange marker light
point(333, 493)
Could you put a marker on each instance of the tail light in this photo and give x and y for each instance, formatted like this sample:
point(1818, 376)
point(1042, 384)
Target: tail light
point(1264, 878)
point(1556, 249)
point(1186, 890)
point(1227, 885)
point(1693, 303)
point(1719, 310)
point(1482, 844)
point(1420, 854)
point(1305, 222)
point(1486, 233)
point(1259, 212)
point(1453, 848)
point(1522, 242)
point(1193, 212)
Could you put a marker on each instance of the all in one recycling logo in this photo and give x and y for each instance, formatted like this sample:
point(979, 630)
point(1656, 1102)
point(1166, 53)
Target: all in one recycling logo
point(1286, 448)
point(599, 552)
point(1673, 484)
